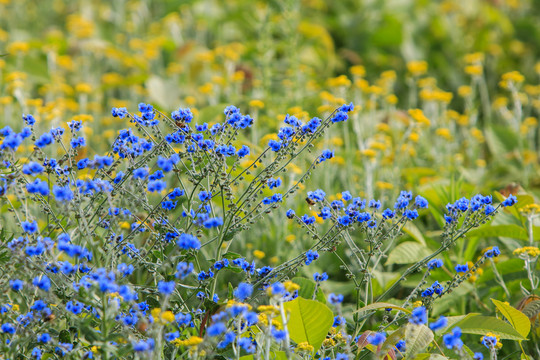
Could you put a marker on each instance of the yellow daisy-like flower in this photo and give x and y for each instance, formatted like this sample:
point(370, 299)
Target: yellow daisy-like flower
point(304, 347)
point(417, 68)
point(531, 251)
point(259, 254)
point(190, 342)
point(418, 116)
point(255, 103)
point(444, 133)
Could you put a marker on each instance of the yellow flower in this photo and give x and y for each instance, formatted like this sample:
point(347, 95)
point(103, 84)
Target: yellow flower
point(328, 342)
point(206, 88)
point(383, 127)
point(414, 137)
point(238, 76)
point(464, 91)
point(359, 70)
point(444, 133)
point(290, 238)
point(477, 134)
point(418, 116)
point(18, 47)
point(304, 347)
point(391, 99)
point(291, 286)
point(384, 185)
point(341, 80)
point(83, 88)
point(369, 153)
point(474, 70)
point(512, 77)
point(417, 68)
point(417, 303)
point(481, 163)
point(191, 341)
point(474, 58)
point(531, 251)
point(259, 254)
point(500, 102)
point(256, 103)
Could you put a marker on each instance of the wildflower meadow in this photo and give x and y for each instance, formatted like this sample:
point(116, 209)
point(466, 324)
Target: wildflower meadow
point(288, 179)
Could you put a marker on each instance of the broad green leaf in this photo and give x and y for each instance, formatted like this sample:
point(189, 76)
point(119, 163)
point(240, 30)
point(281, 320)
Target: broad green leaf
point(407, 253)
point(481, 325)
point(429, 357)
point(382, 305)
point(511, 231)
point(517, 319)
point(276, 355)
point(510, 266)
point(452, 320)
point(307, 287)
point(417, 337)
point(309, 321)
point(414, 232)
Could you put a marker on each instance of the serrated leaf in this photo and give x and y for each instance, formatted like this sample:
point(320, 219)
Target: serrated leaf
point(481, 325)
point(381, 305)
point(517, 319)
point(417, 338)
point(407, 253)
point(309, 321)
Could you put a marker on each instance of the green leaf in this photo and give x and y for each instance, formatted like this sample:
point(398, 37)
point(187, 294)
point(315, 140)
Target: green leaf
point(276, 355)
point(407, 253)
point(417, 337)
point(481, 325)
point(511, 231)
point(381, 305)
point(414, 232)
point(307, 287)
point(309, 321)
point(452, 320)
point(517, 319)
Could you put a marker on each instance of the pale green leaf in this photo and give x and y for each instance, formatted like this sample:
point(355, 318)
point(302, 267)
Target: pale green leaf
point(481, 325)
point(517, 319)
point(309, 321)
point(382, 305)
point(417, 338)
point(407, 253)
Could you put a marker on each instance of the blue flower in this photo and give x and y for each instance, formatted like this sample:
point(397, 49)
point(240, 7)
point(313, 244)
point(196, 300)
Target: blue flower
point(216, 329)
point(62, 193)
point(320, 277)
point(275, 145)
point(401, 346)
point(279, 335)
point(462, 268)
point(335, 299)
point(8, 328)
point(16, 284)
point(376, 339)
point(420, 202)
point(243, 291)
point(29, 227)
point(478, 356)
point(509, 201)
point(166, 288)
point(453, 339)
point(411, 214)
point(493, 252)
point(440, 323)
point(434, 264)
point(187, 241)
point(326, 155)
point(418, 316)
point(290, 213)
point(204, 196)
point(244, 151)
point(489, 341)
point(44, 140)
point(310, 256)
